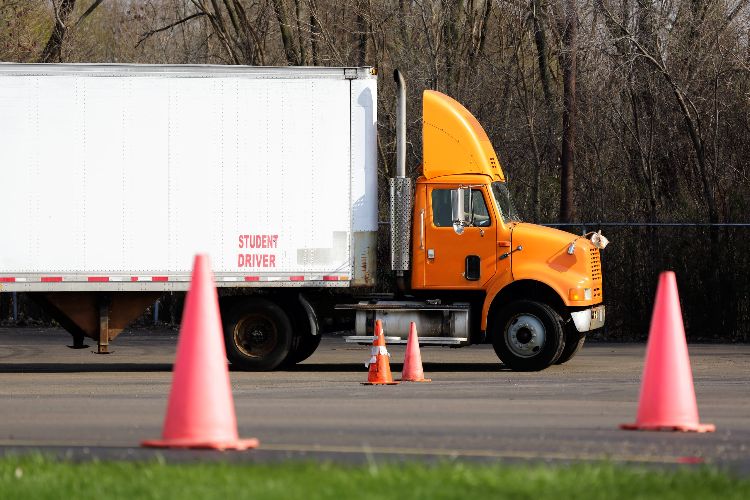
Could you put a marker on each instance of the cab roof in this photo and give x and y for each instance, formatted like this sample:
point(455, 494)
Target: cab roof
point(453, 141)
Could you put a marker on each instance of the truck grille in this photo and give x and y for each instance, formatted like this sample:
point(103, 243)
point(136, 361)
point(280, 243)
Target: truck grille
point(595, 263)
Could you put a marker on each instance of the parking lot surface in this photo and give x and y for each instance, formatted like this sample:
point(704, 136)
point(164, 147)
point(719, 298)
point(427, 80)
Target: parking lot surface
point(78, 403)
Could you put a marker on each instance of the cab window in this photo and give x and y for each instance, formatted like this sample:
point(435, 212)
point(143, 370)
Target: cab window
point(474, 205)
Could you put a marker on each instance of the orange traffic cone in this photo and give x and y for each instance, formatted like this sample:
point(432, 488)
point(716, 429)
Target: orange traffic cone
point(200, 412)
point(412, 370)
point(380, 367)
point(667, 400)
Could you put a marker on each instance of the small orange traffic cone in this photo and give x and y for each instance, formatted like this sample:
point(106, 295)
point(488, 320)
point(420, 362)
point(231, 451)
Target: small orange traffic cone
point(412, 370)
point(380, 367)
point(200, 412)
point(667, 400)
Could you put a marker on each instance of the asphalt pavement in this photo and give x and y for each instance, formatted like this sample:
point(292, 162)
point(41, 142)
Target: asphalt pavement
point(79, 404)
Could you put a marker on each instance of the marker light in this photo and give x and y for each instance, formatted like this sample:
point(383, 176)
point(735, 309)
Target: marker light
point(579, 294)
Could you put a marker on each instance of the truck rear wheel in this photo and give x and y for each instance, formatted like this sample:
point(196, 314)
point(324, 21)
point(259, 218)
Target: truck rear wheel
point(257, 334)
point(528, 335)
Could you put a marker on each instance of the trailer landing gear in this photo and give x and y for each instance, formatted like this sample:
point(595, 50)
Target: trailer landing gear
point(104, 333)
point(78, 342)
point(100, 316)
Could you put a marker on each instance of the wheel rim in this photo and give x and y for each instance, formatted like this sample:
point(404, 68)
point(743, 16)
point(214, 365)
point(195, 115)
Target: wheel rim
point(525, 335)
point(256, 336)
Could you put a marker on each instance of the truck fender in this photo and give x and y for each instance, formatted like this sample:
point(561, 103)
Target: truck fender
point(520, 289)
point(311, 316)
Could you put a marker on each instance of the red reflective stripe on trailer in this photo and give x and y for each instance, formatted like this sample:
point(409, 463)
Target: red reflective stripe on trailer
point(252, 278)
point(7, 280)
point(330, 278)
point(296, 278)
point(134, 278)
point(51, 279)
point(98, 279)
point(159, 278)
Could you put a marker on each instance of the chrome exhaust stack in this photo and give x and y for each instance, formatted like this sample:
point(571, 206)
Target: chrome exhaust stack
point(401, 191)
point(400, 124)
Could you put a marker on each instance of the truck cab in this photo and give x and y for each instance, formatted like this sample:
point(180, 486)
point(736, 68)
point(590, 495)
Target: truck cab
point(532, 291)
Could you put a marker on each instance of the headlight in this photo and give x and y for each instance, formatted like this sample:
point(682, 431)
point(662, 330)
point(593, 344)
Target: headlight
point(579, 294)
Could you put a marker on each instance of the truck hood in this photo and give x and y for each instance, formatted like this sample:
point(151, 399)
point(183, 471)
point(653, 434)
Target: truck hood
point(548, 247)
point(550, 235)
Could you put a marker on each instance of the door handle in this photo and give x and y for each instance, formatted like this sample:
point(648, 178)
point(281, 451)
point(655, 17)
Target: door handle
point(507, 254)
point(421, 229)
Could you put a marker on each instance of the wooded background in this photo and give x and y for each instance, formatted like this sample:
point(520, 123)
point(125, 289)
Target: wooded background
point(600, 110)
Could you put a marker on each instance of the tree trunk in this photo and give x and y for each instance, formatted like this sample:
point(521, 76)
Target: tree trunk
point(287, 39)
point(540, 40)
point(361, 34)
point(315, 33)
point(300, 39)
point(452, 10)
point(568, 60)
point(479, 36)
point(53, 50)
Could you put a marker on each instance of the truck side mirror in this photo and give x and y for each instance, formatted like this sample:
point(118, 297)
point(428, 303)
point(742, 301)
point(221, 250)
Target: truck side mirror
point(458, 215)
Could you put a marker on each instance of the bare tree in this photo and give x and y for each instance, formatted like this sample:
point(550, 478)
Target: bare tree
point(567, 157)
point(287, 38)
point(53, 50)
point(652, 98)
point(315, 32)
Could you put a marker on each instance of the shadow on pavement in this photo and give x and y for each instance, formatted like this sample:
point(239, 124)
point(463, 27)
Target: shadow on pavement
point(167, 367)
point(84, 368)
point(396, 367)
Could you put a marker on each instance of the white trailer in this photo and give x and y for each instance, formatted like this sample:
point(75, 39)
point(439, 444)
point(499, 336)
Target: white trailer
point(115, 176)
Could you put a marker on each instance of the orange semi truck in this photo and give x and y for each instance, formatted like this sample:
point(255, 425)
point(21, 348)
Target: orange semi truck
point(120, 173)
point(478, 273)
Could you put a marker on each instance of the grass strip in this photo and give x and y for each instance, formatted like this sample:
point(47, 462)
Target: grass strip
point(37, 477)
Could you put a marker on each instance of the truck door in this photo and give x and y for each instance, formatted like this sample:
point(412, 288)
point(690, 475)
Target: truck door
point(459, 261)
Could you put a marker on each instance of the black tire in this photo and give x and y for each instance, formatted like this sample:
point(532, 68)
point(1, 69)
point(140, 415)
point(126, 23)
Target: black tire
point(303, 346)
point(574, 340)
point(304, 343)
point(528, 335)
point(257, 334)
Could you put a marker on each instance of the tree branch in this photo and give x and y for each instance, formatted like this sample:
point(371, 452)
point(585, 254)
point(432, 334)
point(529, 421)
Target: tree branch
point(149, 34)
point(88, 12)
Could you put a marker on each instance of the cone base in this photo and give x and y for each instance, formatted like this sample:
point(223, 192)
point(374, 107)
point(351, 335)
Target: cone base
point(416, 380)
point(678, 427)
point(380, 383)
point(239, 445)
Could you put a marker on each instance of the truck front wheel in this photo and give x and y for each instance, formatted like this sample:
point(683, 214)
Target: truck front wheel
point(528, 335)
point(257, 334)
point(573, 342)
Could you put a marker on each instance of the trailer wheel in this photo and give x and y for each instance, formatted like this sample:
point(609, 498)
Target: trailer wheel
point(528, 335)
point(303, 346)
point(573, 342)
point(257, 334)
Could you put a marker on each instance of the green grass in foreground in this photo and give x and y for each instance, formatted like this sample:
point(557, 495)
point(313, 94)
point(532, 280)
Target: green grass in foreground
point(36, 477)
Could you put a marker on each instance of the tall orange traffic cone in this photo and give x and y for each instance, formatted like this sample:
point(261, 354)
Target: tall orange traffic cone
point(200, 412)
point(667, 400)
point(380, 367)
point(412, 370)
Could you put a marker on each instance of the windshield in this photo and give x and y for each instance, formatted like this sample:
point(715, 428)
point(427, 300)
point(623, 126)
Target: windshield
point(502, 197)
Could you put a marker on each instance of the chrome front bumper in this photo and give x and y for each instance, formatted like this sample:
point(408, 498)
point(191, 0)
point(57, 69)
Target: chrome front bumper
point(589, 319)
